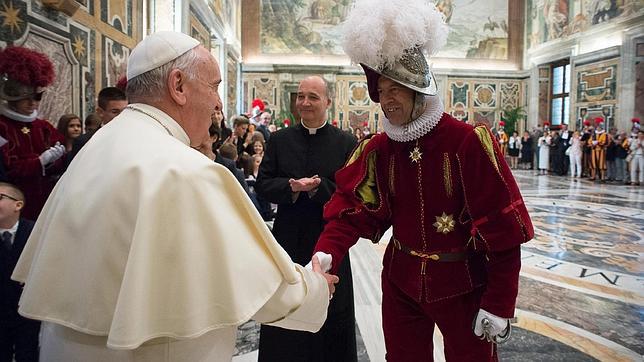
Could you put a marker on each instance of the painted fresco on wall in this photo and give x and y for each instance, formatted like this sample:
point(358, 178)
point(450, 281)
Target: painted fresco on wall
point(549, 20)
point(302, 27)
point(478, 28)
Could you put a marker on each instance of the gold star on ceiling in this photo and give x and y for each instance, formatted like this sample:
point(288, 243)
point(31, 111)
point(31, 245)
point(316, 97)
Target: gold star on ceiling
point(415, 155)
point(11, 17)
point(444, 223)
point(79, 47)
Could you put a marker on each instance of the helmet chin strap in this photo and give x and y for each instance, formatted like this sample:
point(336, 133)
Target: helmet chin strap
point(419, 106)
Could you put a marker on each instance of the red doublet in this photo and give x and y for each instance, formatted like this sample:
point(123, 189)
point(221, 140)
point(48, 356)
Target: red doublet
point(26, 141)
point(458, 197)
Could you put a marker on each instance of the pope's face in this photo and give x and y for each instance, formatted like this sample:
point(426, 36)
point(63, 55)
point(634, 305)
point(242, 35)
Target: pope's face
point(203, 99)
point(396, 101)
point(312, 101)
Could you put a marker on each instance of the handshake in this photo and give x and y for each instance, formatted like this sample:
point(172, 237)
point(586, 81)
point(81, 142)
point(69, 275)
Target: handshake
point(52, 154)
point(321, 263)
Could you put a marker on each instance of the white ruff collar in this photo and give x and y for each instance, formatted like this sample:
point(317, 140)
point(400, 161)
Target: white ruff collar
point(418, 127)
point(7, 112)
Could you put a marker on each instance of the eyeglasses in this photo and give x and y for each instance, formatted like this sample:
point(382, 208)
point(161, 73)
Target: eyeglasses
point(5, 196)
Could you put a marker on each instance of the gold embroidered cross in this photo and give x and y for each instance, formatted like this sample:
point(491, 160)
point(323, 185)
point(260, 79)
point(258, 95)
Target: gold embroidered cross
point(25, 130)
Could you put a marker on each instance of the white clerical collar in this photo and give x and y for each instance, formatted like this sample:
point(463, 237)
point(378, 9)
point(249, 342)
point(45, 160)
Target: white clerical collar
point(11, 114)
point(418, 127)
point(161, 118)
point(313, 130)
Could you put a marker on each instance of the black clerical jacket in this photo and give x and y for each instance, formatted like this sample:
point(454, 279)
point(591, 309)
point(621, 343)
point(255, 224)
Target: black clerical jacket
point(294, 153)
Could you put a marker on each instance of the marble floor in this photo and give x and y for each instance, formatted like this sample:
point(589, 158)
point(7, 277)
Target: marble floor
point(581, 295)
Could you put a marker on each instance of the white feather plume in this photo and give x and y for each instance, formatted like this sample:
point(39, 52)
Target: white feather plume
point(377, 32)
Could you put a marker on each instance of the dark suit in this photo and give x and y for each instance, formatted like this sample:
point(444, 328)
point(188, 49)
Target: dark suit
point(18, 335)
point(79, 142)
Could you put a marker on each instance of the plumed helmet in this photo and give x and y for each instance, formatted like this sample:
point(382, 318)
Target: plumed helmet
point(586, 122)
point(501, 124)
point(23, 73)
point(635, 120)
point(257, 107)
point(407, 29)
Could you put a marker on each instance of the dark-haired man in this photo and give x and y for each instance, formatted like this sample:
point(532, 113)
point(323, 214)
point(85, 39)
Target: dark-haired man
point(111, 101)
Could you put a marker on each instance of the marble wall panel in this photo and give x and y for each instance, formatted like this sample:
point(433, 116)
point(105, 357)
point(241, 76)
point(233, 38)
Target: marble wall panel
point(544, 94)
point(232, 84)
point(481, 100)
point(115, 57)
point(596, 91)
point(118, 13)
point(198, 29)
point(58, 98)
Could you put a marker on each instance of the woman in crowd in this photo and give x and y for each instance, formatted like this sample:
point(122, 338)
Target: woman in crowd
point(526, 150)
point(574, 153)
point(69, 125)
point(544, 143)
point(513, 149)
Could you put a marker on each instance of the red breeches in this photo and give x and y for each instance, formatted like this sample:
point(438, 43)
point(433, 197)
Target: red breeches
point(409, 327)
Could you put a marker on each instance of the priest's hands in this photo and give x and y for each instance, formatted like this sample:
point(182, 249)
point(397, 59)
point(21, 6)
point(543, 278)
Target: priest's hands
point(331, 280)
point(305, 184)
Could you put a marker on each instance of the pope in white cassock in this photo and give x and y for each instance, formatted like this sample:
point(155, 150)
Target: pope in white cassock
point(148, 251)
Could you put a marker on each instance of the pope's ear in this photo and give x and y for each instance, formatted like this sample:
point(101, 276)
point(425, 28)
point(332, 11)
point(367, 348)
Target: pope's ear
point(177, 86)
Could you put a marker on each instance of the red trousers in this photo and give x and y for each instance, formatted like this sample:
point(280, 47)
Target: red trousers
point(409, 327)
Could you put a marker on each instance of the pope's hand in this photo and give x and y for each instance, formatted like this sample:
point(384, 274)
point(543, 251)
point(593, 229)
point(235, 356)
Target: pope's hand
point(331, 280)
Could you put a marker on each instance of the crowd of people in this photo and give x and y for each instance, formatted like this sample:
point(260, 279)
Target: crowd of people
point(615, 156)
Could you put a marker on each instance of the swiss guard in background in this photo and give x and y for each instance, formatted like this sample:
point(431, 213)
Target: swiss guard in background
point(503, 138)
point(31, 147)
point(598, 143)
point(457, 214)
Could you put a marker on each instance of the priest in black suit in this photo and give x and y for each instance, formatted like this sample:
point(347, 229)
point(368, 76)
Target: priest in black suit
point(18, 335)
point(298, 173)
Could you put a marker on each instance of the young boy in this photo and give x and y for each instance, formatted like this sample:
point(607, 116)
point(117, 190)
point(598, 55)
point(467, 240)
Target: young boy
point(18, 335)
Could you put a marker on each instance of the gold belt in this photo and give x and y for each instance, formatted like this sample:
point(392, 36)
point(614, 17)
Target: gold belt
point(443, 257)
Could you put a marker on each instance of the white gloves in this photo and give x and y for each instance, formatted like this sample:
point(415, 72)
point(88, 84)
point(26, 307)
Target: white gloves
point(490, 327)
point(52, 154)
point(325, 261)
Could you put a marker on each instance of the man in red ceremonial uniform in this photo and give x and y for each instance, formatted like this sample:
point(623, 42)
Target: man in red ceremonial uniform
point(31, 147)
point(457, 214)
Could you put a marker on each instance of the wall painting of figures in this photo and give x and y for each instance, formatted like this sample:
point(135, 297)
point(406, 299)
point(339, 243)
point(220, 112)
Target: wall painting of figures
point(302, 26)
point(478, 28)
point(548, 20)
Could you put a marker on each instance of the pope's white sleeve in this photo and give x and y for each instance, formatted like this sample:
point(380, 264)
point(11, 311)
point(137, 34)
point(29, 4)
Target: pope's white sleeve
point(300, 306)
